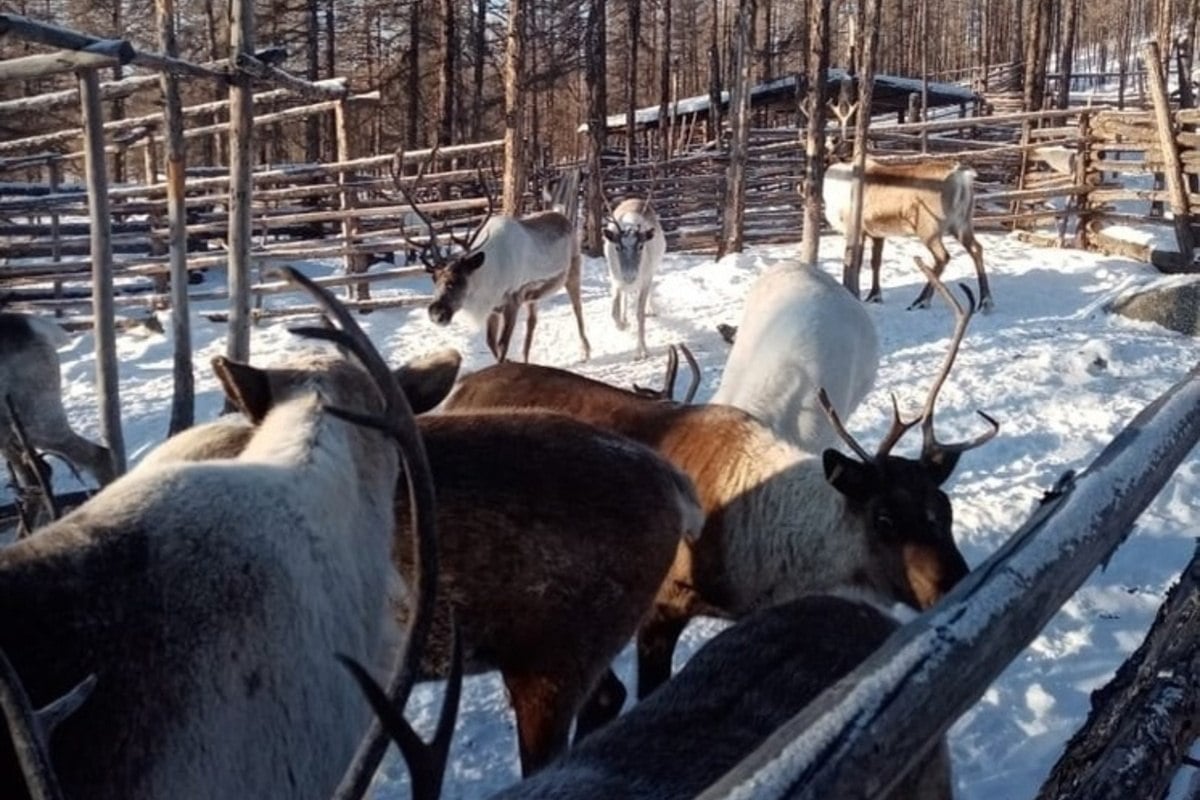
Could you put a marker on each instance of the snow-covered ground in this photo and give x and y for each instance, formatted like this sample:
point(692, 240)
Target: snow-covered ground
point(1062, 377)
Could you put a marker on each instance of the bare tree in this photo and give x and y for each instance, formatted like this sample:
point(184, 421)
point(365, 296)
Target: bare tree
point(312, 59)
point(514, 108)
point(814, 169)
point(596, 66)
point(739, 123)
point(449, 75)
point(633, 29)
point(413, 59)
point(1066, 54)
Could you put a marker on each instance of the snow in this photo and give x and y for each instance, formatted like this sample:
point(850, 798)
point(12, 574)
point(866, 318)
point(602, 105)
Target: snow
point(1060, 375)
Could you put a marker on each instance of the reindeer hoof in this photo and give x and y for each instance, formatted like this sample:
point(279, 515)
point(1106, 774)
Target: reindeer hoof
point(622, 324)
point(873, 298)
point(918, 303)
point(986, 305)
point(728, 332)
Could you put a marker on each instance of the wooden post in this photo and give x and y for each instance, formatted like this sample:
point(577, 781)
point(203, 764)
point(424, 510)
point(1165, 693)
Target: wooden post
point(739, 132)
point(353, 263)
point(1142, 722)
point(241, 134)
point(100, 222)
point(174, 152)
point(55, 170)
point(1173, 168)
point(514, 110)
point(814, 169)
point(1083, 168)
point(852, 263)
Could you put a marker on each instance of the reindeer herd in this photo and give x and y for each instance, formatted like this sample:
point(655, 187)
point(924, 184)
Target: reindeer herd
point(221, 621)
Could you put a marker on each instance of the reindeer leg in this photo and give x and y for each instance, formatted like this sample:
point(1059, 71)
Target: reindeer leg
point(941, 257)
point(876, 293)
point(618, 310)
point(509, 321)
point(544, 707)
point(602, 706)
point(572, 283)
point(493, 331)
point(973, 247)
point(530, 324)
point(643, 296)
point(655, 647)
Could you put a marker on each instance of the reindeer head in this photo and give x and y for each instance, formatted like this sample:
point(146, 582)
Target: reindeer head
point(907, 515)
point(627, 240)
point(451, 272)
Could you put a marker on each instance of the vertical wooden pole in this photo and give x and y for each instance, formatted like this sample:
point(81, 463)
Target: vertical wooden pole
point(55, 169)
point(241, 134)
point(1172, 167)
point(353, 263)
point(814, 168)
point(866, 89)
point(175, 154)
point(100, 222)
point(739, 132)
point(514, 109)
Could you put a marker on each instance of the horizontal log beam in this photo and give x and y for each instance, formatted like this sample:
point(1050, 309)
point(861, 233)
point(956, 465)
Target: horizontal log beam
point(45, 64)
point(892, 708)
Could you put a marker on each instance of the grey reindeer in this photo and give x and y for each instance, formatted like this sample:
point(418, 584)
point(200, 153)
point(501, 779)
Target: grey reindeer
point(209, 601)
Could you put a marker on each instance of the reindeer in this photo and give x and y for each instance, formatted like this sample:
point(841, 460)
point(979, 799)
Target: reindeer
point(735, 692)
point(800, 331)
point(209, 599)
point(928, 200)
point(634, 247)
point(547, 566)
point(30, 380)
point(780, 521)
point(526, 258)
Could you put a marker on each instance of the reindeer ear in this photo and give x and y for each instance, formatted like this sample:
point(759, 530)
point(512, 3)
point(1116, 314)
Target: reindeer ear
point(427, 380)
point(612, 234)
point(849, 476)
point(472, 262)
point(247, 387)
point(647, 235)
point(940, 464)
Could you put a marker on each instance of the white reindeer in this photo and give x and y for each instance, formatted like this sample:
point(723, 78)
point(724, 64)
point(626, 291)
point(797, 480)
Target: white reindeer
point(927, 200)
point(506, 263)
point(800, 331)
point(30, 378)
point(210, 599)
point(634, 247)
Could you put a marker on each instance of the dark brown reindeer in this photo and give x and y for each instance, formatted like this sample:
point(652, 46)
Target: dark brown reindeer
point(505, 263)
point(734, 693)
point(781, 522)
point(554, 538)
point(209, 599)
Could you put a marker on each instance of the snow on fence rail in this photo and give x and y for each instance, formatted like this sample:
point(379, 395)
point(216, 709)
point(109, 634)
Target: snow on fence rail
point(893, 707)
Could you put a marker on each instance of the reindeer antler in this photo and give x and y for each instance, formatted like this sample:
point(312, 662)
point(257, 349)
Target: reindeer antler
point(932, 451)
point(397, 168)
point(471, 241)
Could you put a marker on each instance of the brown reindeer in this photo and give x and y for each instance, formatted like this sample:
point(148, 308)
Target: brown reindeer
point(781, 522)
point(928, 200)
point(554, 537)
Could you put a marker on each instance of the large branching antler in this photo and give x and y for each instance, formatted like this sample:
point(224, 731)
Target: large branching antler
point(472, 241)
point(668, 391)
point(431, 251)
point(398, 421)
point(30, 730)
point(932, 451)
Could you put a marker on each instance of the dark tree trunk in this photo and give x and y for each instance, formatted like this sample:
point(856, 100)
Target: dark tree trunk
point(479, 40)
point(631, 75)
point(449, 75)
point(312, 53)
point(413, 59)
point(1066, 56)
point(514, 109)
point(739, 125)
point(814, 170)
point(596, 67)
point(665, 124)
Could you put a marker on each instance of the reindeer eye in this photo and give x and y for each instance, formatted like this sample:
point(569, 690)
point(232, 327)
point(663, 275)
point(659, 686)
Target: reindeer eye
point(883, 522)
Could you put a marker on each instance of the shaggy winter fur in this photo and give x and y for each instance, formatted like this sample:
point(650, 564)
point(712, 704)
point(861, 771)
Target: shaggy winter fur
point(209, 600)
point(780, 522)
point(736, 691)
point(800, 331)
point(927, 200)
point(29, 374)
point(548, 559)
point(633, 248)
point(512, 262)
